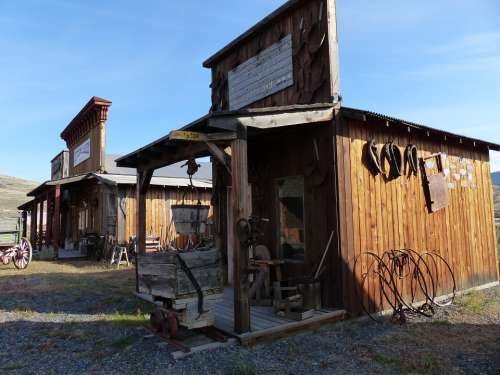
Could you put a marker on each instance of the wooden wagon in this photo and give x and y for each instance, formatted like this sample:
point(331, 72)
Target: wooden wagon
point(184, 286)
point(15, 248)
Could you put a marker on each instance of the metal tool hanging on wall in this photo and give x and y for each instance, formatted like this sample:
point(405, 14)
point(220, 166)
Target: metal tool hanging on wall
point(192, 168)
point(374, 157)
point(392, 154)
point(411, 159)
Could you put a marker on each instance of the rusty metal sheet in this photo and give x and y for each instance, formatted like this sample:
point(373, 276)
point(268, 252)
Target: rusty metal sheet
point(438, 191)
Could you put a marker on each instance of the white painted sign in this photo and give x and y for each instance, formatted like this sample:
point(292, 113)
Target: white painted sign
point(81, 153)
point(262, 75)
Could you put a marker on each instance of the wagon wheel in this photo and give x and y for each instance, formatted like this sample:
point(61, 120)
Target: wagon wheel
point(24, 253)
point(156, 319)
point(164, 323)
point(4, 258)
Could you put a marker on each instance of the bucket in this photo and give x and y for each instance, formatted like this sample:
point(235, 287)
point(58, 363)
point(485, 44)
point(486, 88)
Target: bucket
point(190, 218)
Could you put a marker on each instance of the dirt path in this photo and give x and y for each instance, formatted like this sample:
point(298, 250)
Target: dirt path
point(81, 318)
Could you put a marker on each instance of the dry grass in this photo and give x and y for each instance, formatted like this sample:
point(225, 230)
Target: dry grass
point(70, 267)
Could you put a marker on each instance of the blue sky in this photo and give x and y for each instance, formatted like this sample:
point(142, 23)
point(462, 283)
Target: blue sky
point(434, 62)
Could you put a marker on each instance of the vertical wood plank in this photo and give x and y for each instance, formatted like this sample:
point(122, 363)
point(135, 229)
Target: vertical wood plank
point(241, 208)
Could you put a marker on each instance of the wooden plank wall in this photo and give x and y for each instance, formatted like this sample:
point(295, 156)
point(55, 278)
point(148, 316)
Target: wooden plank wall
point(93, 163)
point(377, 215)
point(290, 152)
point(311, 70)
point(158, 213)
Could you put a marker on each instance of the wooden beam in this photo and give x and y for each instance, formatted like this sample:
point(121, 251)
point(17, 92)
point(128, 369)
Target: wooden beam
point(181, 135)
point(146, 180)
point(242, 210)
point(48, 219)
point(143, 181)
point(57, 220)
point(24, 223)
point(33, 225)
point(40, 225)
point(333, 48)
point(273, 120)
point(284, 330)
point(180, 153)
point(220, 155)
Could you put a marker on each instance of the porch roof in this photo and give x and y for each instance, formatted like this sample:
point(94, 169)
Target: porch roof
point(222, 125)
point(26, 206)
point(117, 179)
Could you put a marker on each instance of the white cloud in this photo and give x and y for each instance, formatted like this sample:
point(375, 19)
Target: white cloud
point(477, 52)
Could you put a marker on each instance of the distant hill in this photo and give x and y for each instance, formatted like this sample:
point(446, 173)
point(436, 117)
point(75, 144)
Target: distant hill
point(12, 194)
point(496, 200)
point(496, 178)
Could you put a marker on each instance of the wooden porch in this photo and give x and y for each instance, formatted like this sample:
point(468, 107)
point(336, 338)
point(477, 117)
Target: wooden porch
point(225, 138)
point(265, 325)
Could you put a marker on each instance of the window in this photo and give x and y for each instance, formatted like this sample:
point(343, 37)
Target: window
point(291, 217)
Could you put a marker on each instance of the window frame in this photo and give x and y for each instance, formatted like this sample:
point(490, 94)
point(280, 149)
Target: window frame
point(280, 251)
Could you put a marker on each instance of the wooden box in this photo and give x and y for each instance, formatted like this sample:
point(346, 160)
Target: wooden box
point(161, 274)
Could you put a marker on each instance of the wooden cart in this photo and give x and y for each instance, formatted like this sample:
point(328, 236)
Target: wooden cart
point(184, 286)
point(16, 248)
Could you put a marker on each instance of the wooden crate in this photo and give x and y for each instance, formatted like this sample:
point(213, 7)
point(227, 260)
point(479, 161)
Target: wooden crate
point(161, 275)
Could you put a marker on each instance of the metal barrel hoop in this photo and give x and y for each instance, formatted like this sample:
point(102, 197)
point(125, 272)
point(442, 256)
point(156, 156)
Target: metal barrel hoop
point(433, 256)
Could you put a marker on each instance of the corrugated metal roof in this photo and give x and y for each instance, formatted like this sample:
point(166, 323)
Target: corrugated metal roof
point(490, 145)
point(118, 179)
point(174, 170)
point(69, 180)
point(157, 181)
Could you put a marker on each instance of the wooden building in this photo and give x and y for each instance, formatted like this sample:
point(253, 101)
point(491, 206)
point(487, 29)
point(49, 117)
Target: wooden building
point(88, 195)
point(285, 148)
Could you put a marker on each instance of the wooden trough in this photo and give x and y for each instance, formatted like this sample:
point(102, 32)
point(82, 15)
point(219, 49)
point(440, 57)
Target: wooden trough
point(184, 286)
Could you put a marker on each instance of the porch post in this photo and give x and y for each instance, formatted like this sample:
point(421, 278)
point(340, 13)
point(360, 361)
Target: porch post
point(241, 210)
point(48, 220)
point(33, 226)
point(24, 224)
point(40, 225)
point(56, 230)
point(143, 180)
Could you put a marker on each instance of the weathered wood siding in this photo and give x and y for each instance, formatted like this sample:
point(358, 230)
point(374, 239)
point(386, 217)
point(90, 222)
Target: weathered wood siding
point(90, 193)
point(158, 212)
point(93, 163)
point(377, 215)
point(161, 274)
point(308, 25)
point(286, 153)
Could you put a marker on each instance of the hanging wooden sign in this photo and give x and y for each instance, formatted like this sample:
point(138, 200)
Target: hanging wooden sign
point(262, 75)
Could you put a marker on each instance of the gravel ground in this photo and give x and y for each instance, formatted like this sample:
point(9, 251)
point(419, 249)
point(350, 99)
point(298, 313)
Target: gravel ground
point(81, 318)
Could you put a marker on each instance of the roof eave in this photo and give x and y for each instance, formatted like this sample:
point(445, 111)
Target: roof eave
point(289, 5)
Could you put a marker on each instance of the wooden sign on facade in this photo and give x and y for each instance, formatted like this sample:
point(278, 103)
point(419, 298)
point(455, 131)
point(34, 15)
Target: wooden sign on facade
point(81, 153)
point(266, 73)
point(187, 136)
point(60, 166)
